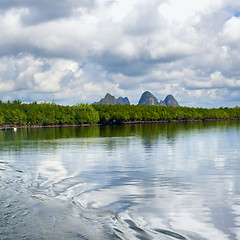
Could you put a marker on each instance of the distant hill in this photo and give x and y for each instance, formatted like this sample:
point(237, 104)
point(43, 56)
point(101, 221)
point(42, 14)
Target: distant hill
point(171, 101)
point(147, 98)
point(111, 100)
point(108, 99)
point(162, 103)
point(123, 101)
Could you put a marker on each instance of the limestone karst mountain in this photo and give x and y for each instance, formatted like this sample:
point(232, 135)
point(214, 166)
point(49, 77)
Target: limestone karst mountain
point(147, 98)
point(108, 99)
point(162, 103)
point(111, 100)
point(123, 101)
point(171, 101)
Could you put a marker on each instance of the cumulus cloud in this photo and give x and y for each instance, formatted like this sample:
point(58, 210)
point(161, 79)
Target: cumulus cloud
point(135, 22)
point(26, 74)
point(44, 10)
point(230, 33)
point(61, 50)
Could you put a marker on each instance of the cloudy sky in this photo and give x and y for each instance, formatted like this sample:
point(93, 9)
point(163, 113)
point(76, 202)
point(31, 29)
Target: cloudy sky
point(71, 51)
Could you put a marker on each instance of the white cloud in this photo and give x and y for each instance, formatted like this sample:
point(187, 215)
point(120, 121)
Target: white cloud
point(6, 86)
point(188, 49)
point(115, 10)
point(231, 34)
point(143, 19)
point(180, 11)
point(126, 50)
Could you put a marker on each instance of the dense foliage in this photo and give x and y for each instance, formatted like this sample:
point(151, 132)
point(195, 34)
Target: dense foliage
point(17, 113)
point(125, 113)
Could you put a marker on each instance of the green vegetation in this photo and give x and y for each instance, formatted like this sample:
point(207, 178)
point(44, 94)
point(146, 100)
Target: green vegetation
point(117, 114)
point(17, 113)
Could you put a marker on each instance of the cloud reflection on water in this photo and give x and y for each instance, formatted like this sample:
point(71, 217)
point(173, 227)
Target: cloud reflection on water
point(181, 177)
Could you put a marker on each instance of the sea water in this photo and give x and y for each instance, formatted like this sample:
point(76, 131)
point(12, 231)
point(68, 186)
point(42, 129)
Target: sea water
point(158, 181)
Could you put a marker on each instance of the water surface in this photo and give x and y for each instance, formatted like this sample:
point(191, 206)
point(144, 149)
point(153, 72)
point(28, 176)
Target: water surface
point(163, 181)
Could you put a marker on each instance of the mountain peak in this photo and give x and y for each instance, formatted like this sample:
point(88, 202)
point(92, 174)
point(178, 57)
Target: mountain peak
point(148, 98)
point(171, 101)
point(111, 100)
point(123, 101)
point(108, 99)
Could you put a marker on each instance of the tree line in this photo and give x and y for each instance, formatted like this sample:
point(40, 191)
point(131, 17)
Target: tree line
point(18, 113)
point(125, 113)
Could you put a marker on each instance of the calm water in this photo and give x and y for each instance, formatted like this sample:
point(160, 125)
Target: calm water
point(167, 181)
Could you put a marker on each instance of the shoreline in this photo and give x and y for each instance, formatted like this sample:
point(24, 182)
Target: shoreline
point(14, 126)
point(180, 121)
point(11, 126)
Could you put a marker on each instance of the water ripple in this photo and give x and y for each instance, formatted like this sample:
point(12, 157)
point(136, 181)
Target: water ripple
point(171, 234)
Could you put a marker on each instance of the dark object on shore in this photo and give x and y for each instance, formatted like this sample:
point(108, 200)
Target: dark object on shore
point(9, 128)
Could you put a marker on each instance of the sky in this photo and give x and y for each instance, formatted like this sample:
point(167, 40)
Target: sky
point(76, 51)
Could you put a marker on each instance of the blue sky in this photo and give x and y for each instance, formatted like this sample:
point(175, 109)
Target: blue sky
point(74, 51)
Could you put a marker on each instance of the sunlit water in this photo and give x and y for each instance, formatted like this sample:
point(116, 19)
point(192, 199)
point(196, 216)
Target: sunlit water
point(163, 181)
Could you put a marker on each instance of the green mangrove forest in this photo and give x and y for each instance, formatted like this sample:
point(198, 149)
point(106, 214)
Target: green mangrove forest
point(17, 113)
